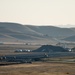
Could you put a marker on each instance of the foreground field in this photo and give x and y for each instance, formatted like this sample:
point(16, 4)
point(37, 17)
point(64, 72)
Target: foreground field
point(39, 68)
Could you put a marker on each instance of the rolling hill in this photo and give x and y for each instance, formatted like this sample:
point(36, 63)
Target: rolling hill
point(53, 31)
point(16, 31)
point(71, 38)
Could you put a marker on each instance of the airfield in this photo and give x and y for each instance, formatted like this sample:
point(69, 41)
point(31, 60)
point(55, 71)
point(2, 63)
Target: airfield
point(50, 66)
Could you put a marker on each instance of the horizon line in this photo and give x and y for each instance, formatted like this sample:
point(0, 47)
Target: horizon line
point(61, 26)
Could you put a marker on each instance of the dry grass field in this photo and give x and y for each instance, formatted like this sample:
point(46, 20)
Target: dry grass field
point(39, 68)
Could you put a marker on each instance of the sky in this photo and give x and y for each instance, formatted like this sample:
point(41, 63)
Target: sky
point(38, 12)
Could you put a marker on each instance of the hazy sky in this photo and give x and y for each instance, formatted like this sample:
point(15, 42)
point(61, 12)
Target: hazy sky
point(38, 12)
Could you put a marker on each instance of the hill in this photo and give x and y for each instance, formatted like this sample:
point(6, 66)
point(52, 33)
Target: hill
point(53, 31)
point(71, 38)
point(50, 48)
point(19, 32)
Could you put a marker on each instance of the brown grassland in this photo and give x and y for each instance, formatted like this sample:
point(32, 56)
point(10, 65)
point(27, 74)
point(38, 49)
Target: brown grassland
point(39, 68)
